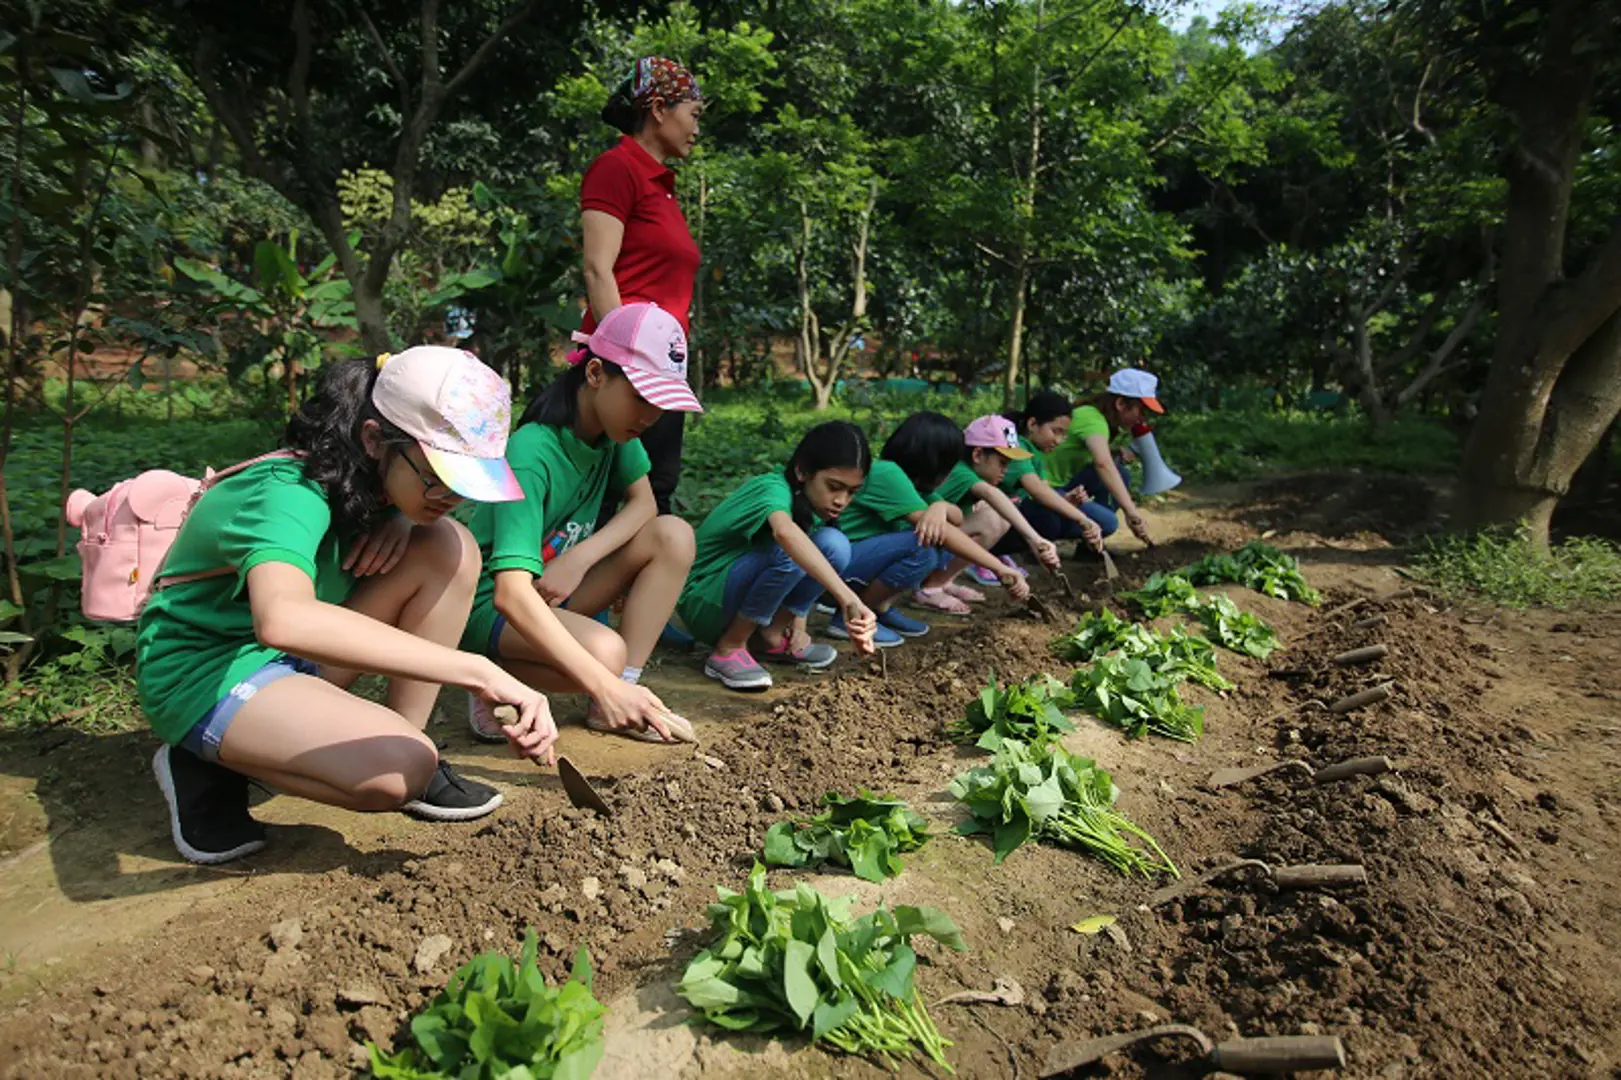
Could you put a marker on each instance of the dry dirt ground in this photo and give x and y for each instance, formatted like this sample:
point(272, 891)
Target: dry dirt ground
point(1486, 941)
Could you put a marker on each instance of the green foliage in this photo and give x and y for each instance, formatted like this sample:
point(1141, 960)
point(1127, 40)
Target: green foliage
point(795, 961)
point(1162, 594)
point(1178, 655)
point(1030, 711)
point(1235, 629)
point(1242, 443)
point(1130, 694)
point(1043, 792)
point(497, 1021)
point(867, 833)
point(1256, 566)
point(1507, 569)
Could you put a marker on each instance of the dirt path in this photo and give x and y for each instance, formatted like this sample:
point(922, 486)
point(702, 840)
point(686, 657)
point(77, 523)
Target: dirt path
point(1486, 942)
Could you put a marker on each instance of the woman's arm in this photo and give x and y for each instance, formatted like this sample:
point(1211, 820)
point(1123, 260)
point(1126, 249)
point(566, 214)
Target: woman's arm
point(603, 236)
point(1103, 461)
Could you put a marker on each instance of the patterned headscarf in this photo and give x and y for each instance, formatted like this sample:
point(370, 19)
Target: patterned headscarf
point(653, 79)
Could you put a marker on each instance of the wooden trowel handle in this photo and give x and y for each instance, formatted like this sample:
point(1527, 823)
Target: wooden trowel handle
point(1279, 1054)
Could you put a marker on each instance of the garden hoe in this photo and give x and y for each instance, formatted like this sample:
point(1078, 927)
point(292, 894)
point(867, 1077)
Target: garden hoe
point(1269, 1056)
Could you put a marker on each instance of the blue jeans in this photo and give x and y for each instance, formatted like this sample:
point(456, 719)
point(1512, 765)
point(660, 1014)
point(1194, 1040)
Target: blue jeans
point(1100, 509)
point(894, 559)
point(766, 580)
point(205, 735)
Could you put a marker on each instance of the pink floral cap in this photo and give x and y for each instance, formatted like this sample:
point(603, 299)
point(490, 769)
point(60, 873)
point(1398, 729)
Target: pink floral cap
point(649, 344)
point(458, 411)
point(997, 433)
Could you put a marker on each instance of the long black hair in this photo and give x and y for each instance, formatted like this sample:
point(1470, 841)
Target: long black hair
point(558, 404)
point(1043, 406)
point(925, 446)
point(327, 428)
point(837, 444)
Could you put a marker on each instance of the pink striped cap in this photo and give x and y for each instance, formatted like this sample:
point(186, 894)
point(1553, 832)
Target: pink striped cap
point(649, 344)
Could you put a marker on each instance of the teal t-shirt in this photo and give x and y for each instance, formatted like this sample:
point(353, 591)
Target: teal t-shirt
point(957, 488)
point(740, 524)
point(1071, 456)
point(882, 504)
point(195, 639)
point(1018, 470)
point(563, 480)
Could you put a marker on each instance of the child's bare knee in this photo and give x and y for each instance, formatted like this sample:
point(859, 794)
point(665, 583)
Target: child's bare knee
point(609, 649)
point(403, 774)
point(673, 539)
point(451, 551)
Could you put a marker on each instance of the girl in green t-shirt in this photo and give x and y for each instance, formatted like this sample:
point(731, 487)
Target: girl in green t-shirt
point(763, 560)
point(897, 538)
point(1042, 424)
point(1086, 461)
point(548, 570)
point(974, 487)
point(282, 586)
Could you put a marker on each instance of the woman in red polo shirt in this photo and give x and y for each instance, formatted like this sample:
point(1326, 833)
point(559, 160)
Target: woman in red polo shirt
point(637, 244)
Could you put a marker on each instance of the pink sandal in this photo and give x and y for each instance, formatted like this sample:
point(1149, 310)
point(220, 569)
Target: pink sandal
point(963, 593)
point(940, 600)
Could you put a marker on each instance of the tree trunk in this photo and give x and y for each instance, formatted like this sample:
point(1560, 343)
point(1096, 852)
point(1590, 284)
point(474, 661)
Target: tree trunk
point(1555, 380)
point(1010, 375)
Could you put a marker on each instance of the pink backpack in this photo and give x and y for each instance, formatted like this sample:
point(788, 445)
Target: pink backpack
point(128, 531)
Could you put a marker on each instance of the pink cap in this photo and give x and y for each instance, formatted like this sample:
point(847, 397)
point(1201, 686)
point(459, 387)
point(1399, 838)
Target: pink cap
point(458, 411)
point(649, 344)
point(997, 433)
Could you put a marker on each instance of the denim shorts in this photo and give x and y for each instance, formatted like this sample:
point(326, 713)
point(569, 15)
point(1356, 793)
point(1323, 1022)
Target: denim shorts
point(205, 735)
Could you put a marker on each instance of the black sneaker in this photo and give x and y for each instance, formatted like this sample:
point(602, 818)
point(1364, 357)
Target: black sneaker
point(208, 808)
point(453, 797)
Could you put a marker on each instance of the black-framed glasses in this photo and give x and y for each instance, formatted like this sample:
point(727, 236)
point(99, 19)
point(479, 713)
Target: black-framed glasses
point(433, 488)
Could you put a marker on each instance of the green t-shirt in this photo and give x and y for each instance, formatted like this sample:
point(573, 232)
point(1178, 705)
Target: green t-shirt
point(957, 487)
point(882, 504)
point(563, 480)
point(195, 639)
point(1071, 456)
point(737, 526)
point(1018, 470)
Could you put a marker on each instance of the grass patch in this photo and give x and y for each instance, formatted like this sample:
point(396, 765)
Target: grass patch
point(1503, 567)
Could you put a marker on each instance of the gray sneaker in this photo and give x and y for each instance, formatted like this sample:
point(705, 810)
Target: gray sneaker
point(815, 656)
point(738, 671)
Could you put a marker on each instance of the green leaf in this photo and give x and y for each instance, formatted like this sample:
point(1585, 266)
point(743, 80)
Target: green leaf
point(830, 1016)
point(935, 923)
point(12, 637)
point(798, 985)
point(896, 978)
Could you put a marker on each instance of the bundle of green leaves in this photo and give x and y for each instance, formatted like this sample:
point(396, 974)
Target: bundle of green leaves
point(867, 833)
point(1098, 633)
point(497, 1021)
point(1255, 566)
point(1184, 655)
point(1234, 628)
point(1162, 594)
point(1046, 793)
point(1129, 693)
point(1179, 654)
point(1030, 711)
point(796, 961)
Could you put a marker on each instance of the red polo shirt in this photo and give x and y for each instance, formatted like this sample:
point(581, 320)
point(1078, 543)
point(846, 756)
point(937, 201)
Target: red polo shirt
point(658, 258)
